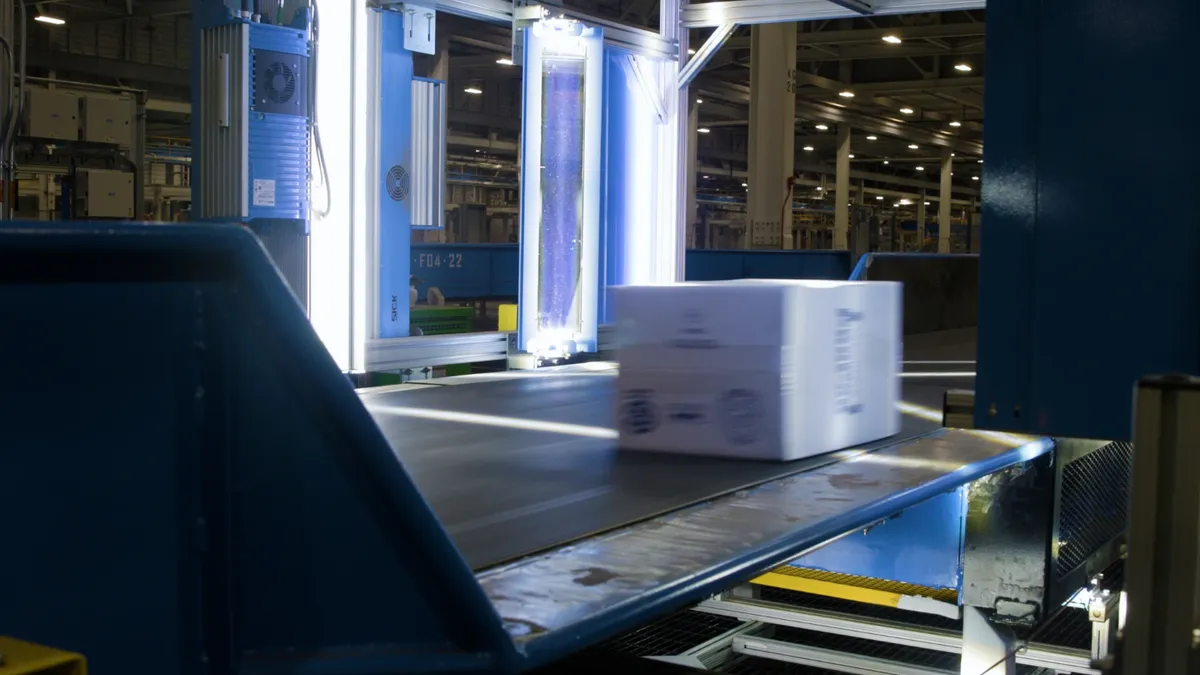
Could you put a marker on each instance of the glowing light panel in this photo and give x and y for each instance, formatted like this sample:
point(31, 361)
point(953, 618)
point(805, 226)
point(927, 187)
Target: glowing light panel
point(560, 176)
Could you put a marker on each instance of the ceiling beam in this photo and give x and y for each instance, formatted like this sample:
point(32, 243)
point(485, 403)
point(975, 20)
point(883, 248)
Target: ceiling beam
point(66, 62)
point(876, 35)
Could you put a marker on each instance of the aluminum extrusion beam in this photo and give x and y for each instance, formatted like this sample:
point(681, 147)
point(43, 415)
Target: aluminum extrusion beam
point(747, 12)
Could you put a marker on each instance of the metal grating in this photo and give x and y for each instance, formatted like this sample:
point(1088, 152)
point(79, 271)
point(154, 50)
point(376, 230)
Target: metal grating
point(910, 656)
point(1094, 503)
point(671, 635)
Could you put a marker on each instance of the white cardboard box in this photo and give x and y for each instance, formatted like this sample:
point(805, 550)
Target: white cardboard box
point(758, 369)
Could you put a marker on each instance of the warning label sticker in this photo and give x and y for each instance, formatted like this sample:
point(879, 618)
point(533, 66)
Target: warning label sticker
point(264, 192)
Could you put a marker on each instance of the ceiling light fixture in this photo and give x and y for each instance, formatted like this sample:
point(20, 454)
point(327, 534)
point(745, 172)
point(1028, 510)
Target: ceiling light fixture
point(808, 148)
point(704, 177)
point(822, 127)
point(879, 197)
point(926, 203)
point(886, 162)
point(474, 91)
point(906, 111)
point(920, 168)
point(691, 51)
point(846, 94)
point(504, 62)
point(703, 130)
point(962, 67)
point(974, 177)
point(955, 123)
point(52, 20)
point(820, 188)
point(872, 138)
point(745, 185)
point(851, 156)
point(699, 101)
point(892, 39)
point(981, 161)
point(913, 146)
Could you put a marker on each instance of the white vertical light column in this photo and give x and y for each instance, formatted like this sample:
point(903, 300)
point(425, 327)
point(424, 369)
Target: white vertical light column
point(841, 206)
point(440, 71)
point(330, 240)
point(944, 202)
point(772, 135)
point(360, 172)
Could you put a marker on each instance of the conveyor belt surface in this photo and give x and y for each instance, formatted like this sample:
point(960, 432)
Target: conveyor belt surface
point(504, 488)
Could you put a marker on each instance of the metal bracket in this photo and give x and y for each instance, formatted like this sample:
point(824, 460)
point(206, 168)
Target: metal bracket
point(705, 53)
point(634, 69)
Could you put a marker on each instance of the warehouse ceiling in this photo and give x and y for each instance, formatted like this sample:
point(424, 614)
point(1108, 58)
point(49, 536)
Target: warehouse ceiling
point(912, 92)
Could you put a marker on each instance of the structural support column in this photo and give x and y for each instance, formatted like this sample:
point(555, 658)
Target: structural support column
point(921, 217)
point(689, 206)
point(772, 135)
point(841, 206)
point(944, 202)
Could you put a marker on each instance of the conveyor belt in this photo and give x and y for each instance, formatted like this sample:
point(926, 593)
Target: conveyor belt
point(504, 490)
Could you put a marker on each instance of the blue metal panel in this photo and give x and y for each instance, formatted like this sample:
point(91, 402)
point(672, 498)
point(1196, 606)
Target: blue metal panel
point(279, 39)
point(395, 156)
point(161, 514)
point(713, 265)
point(279, 153)
point(614, 165)
point(1077, 302)
point(922, 546)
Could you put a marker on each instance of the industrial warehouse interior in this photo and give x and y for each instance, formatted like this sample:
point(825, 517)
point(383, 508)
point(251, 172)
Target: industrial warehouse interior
point(574, 336)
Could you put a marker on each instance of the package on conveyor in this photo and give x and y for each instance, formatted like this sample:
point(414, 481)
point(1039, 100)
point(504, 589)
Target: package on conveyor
point(758, 369)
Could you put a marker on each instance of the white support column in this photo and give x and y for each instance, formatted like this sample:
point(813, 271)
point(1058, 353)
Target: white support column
point(841, 206)
point(772, 135)
point(987, 649)
point(921, 217)
point(440, 70)
point(945, 201)
point(674, 148)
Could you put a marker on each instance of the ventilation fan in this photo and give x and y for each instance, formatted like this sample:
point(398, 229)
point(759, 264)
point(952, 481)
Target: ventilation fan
point(279, 85)
point(397, 183)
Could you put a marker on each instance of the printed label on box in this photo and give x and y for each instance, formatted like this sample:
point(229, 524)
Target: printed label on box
point(847, 357)
point(264, 192)
point(639, 413)
point(742, 413)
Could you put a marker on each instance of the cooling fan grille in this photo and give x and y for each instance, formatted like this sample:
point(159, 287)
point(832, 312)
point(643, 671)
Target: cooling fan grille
point(397, 183)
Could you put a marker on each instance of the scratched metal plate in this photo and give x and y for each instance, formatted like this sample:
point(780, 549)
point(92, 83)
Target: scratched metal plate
point(726, 540)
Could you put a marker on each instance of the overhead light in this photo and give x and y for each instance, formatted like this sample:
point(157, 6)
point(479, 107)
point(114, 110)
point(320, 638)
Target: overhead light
point(952, 154)
point(974, 177)
point(504, 61)
point(846, 94)
point(699, 101)
point(962, 67)
point(703, 130)
point(808, 148)
point(820, 188)
point(913, 146)
point(981, 161)
point(920, 168)
point(704, 177)
point(926, 203)
point(904, 202)
point(851, 156)
point(872, 138)
point(474, 91)
point(907, 111)
point(886, 162)
point(892, 39)
point(52, 20)
point(691, 51)
point(744, 185)
point(956, 123)
point(879, 197)
point(822, 127)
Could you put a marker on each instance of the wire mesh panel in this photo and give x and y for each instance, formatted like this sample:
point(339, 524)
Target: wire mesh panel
point(1094, 506)
point(671, 635)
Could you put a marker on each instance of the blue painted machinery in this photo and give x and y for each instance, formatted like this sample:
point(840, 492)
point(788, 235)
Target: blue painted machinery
point(253, 127)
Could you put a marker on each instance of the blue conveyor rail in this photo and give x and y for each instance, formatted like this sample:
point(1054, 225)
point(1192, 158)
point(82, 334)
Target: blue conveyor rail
point(200, 490)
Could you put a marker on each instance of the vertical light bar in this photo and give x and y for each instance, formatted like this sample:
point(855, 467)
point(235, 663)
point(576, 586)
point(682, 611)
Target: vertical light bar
point(330, 243)
point(360, 167)
point(560, 181)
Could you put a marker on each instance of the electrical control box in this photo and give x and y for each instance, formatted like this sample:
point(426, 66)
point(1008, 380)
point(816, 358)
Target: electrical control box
point(103, 194)
point(107, 119)
point(51, 113)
